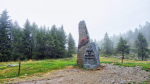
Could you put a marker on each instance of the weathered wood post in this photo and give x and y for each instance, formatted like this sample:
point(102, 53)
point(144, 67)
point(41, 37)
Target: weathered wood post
point(19, 68)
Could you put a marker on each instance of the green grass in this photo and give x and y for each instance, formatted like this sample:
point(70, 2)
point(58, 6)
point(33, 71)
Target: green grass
point(32, 67)
point(43, 66)
point(145, 66)
point(126, 62)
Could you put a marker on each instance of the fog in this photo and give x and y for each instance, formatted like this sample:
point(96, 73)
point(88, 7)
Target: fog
point(101, 16)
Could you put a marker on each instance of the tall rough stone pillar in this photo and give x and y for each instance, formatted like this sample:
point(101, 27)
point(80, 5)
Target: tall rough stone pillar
point(84, 41)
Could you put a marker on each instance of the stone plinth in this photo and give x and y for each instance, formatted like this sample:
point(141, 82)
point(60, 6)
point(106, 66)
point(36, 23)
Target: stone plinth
point(91, 56)
point(84, 40)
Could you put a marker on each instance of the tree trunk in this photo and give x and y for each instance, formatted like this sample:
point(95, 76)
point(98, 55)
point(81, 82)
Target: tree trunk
point(142, 57)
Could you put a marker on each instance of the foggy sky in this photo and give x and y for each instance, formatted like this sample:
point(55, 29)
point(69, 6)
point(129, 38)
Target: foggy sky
point(100, 16)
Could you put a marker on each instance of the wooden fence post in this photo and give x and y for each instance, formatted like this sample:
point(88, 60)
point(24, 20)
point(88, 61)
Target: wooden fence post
point(19, 68)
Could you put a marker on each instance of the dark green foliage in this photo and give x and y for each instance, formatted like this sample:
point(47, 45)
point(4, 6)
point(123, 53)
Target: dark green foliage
point(17, 42)
point(107, 45)
point(5, 37)
point(141, 45)
point(122, 47)
point(62, 38)
point(49, 46)
point(71, 45)
point(57, 48)
point(34, 29)
point(31, 42)
point(27, 39)
point(50, 43)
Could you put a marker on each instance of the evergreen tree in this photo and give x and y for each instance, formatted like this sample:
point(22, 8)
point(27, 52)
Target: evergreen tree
point(17, 42)
point(5, 37)
point(122, 47)
point(107, 45)
point(34, 44)
point(27, 39)
point(57, 48)
point(71, 45)
point(39, 54)
point(43, 40)
point(141, 45)
point(49, 46)
point(62, 39)
point(34, 29)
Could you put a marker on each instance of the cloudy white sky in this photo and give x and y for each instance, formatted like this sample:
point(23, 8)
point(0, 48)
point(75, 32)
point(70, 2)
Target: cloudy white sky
point(101, 16)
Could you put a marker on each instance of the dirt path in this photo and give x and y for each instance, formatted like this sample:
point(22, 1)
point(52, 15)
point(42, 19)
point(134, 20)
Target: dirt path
point(110, 74)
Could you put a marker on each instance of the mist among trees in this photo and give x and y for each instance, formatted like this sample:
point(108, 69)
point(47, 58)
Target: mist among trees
point(137, 40)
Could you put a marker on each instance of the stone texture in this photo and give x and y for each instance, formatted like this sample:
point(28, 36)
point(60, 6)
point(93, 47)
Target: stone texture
point(83, 42)
point(91, 56)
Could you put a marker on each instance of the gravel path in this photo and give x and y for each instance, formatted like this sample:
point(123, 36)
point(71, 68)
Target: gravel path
point(109, 74)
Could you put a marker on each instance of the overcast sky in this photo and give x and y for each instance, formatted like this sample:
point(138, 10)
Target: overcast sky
point(100, 16)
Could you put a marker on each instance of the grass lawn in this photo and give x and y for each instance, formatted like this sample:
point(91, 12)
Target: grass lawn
point(33, 67)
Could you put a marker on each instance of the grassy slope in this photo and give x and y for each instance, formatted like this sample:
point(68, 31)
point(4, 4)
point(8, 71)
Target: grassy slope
point(33, 67)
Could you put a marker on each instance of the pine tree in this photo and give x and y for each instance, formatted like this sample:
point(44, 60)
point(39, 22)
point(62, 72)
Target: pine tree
point(5, 37)
point(62, 39)
point(71, 45)
point(54, 33)
point(49, 46)
point(141, 45)
point(27, 39)
point(122, 47)
point(39, 45)
point(107, 45)
point(34, 29)
point(17, 42)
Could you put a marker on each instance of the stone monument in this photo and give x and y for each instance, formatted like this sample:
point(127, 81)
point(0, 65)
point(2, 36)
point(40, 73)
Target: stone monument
point(91, 56)
point(83, 42)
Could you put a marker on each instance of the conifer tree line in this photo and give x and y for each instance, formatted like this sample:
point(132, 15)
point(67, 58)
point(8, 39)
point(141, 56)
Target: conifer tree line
point(131, 36)
point(137, 42)
point(32, 42)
